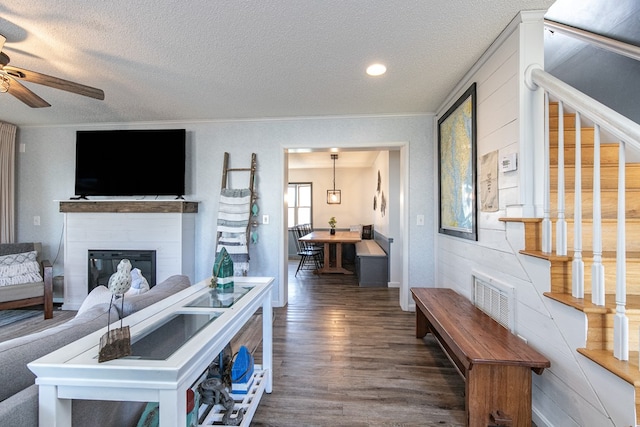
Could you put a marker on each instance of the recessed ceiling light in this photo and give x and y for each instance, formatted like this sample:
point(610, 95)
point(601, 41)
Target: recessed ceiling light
point(376, 69)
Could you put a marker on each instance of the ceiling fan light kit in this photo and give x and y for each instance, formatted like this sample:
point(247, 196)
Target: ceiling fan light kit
point(9, 76)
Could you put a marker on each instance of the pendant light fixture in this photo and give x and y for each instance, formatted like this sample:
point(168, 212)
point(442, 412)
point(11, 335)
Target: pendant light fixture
point(333, 196)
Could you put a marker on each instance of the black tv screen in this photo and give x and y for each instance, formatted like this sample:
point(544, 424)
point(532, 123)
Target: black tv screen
point(130, 162)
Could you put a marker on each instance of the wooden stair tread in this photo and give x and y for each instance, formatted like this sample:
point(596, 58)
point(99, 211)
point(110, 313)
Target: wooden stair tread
point(519, 219)
point(545, 255)
point(589, 220)
point(627, 370)
point(604, 220)
point(536, 220)
point(630, 167)
point(585, 305)
point(580, 304)
point(630, 255)
point(554, 191)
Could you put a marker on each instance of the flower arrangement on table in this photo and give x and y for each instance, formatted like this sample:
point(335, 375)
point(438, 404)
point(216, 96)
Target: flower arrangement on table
point(332, 224)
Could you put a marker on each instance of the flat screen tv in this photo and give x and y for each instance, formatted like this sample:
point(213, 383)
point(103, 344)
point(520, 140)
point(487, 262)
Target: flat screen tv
point(130, 162)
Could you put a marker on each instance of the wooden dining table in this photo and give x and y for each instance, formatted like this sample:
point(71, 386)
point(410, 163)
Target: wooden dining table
point(328, 239)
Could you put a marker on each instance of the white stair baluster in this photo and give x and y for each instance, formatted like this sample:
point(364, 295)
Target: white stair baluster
point(621, 321)
point(597, 269)
point(577, 285)
point(561, 223)
point(546, 221)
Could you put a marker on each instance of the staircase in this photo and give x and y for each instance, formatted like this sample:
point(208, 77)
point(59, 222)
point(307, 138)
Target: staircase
point(600, 318)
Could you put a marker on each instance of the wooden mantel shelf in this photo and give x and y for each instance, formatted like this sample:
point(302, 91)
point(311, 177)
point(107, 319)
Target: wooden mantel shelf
point(129, 206)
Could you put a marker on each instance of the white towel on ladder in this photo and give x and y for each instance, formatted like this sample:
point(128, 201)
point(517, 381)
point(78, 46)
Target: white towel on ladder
point(233, 220)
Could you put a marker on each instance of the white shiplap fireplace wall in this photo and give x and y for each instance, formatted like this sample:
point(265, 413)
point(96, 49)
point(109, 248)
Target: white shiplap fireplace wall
point(168, 227)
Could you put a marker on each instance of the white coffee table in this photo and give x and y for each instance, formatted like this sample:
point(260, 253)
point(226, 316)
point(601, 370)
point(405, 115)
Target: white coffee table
point(163, 365)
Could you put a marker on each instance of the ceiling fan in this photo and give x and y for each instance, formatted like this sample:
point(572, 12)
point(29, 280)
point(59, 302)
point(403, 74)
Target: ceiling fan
point(9, 76)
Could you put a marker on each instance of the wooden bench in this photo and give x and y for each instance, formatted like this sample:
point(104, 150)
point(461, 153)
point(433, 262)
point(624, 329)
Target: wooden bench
point(495, 364)
point(372, 264)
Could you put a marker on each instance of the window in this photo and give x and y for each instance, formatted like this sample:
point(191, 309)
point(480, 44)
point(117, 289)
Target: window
point(299, 198)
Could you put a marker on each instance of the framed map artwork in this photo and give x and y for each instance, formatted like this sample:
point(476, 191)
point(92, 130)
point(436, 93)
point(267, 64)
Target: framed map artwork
point(457, 167)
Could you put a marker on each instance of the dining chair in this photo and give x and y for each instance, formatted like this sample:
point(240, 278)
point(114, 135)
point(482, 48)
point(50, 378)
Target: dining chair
point(311, 258)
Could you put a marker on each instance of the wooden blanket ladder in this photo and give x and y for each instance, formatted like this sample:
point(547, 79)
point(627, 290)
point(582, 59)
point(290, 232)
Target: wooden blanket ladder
point(237, 207)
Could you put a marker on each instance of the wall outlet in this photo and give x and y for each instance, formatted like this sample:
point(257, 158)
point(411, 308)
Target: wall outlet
point(265, 219)
point(420, 220)
point(22, 147)
point(36, 220)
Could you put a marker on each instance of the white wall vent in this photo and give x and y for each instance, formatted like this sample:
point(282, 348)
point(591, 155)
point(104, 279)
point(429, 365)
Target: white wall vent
point(496, 299)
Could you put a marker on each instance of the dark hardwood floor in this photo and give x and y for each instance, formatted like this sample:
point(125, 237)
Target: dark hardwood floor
point(345, 355)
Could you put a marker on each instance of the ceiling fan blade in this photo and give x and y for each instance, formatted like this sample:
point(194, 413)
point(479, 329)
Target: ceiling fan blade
point(2, 40)
point(55, 82)
point(25, 95)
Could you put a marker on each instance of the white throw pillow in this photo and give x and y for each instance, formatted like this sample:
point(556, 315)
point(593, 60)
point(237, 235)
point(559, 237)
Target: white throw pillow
point(139, 284)
point(18, 258)
point(98, 295)
point(19, 268)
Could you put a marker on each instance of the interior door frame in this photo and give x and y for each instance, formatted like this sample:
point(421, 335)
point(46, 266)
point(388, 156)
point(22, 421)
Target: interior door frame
point(401, 242)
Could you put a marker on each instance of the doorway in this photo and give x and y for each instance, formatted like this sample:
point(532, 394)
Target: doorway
point(362, 202)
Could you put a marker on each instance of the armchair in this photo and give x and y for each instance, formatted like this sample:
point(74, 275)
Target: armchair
point(28, 294)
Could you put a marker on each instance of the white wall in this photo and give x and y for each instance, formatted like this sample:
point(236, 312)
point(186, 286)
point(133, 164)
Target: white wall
point(396, 221)
point(380, 217)
point(351, 183)
point(358, 187)
point(46, 173)
point(564, 394)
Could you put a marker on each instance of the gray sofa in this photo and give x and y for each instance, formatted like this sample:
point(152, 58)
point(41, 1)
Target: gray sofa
point(28, 294)
point(19, 393)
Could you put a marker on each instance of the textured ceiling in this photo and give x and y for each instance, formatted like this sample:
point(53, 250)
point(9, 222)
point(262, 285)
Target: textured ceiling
point(217, 60)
